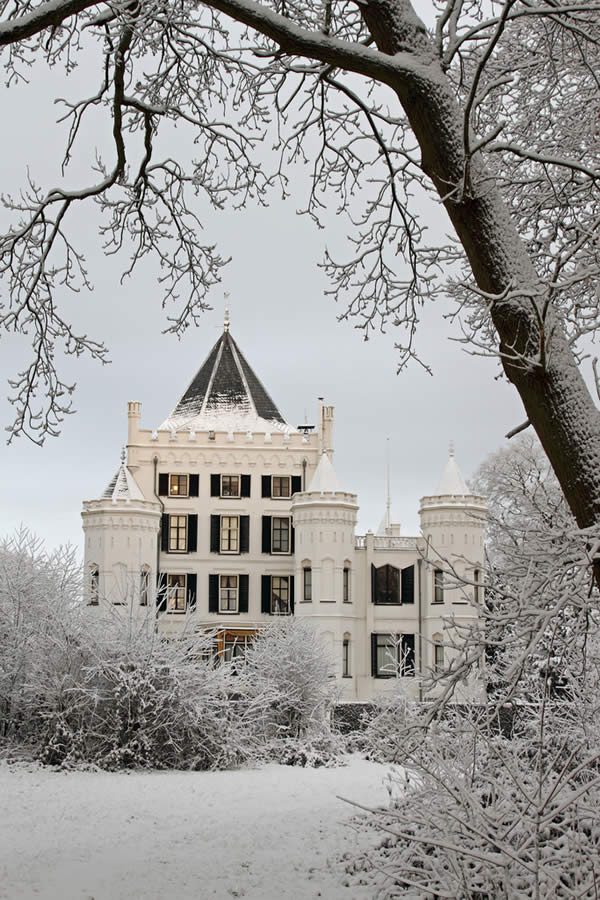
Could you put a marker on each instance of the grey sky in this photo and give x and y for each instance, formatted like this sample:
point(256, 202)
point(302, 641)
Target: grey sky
point(288, 331)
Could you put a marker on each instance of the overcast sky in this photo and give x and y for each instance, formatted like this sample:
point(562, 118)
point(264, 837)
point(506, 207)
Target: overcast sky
point(288, 331)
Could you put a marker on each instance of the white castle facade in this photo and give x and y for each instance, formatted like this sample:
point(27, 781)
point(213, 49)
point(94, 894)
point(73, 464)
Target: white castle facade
point(226, 516)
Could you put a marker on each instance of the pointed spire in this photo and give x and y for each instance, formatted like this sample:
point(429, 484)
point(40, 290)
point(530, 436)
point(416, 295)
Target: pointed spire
point(226, 395)
point(324, 480)
point(226, 320)
point(122, 485)
point(452, 481)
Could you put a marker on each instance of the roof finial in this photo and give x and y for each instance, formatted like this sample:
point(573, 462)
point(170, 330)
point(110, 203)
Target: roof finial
point(226, 322)
point(123, 455)
point(451, 448)
point(388, 502)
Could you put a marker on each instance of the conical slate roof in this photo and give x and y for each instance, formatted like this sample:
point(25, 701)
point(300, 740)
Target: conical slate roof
point(225, 395)
point(451, 481)
point(122, 486)
point(324, 479)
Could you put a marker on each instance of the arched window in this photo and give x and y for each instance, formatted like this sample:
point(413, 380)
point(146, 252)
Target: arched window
point(306, 581)
point(94, 585)
point(144, 585)
point(385, 585)
point(346, 673)
point(346, 582)
point(438, 654)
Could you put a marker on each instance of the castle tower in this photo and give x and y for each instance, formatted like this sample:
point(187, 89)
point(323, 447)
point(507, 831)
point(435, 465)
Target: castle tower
point(452, 523)
point(120, 556)
point(324, 522)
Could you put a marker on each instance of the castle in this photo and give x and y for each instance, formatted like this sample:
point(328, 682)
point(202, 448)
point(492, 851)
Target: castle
point(227, 516)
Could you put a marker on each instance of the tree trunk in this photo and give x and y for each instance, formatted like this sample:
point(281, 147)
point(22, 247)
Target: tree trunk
point(535, 354)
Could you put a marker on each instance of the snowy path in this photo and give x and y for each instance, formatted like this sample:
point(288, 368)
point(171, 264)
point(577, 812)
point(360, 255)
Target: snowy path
point(261, 834)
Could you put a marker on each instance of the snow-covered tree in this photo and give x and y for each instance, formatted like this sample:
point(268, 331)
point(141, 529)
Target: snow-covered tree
point(490, 110)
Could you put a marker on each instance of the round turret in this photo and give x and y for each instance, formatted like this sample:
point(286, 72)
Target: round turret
point(121, 529)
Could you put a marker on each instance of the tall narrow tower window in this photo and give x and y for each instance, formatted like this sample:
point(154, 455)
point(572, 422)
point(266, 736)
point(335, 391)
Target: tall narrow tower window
point(94, 585)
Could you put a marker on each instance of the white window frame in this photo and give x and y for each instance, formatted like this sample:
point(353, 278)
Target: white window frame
point(174, 546)
point(176, 600)
point(281, 479)
point(307, 570)
point(239, 487)
point(289, 534)
point(178, 493)
point(235, 588)
point(232, 535)
point(438, 658)
point(280, 578)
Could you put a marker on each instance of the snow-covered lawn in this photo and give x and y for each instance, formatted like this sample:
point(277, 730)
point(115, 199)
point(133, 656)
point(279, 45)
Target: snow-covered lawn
point(274, 832)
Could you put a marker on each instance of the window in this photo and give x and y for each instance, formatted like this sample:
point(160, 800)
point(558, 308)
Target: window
point(476, 587)
point(438, 586)
point(392, 655)
point(280, 538)
point(346, 658)
point(307, 585)
point(346, 585)
point(230, 485)
point(230, 526)
point(385, 585)
point(228, 593)
point(144, 585)
point(281, 486)
point(280, 595)
point(235, 646)
point(176, 593)
point(94, 586)
point(438, 657)
point(178, 486)
point(178, 534)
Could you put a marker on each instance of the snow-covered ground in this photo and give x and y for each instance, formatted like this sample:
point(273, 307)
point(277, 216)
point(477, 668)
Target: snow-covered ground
point(262, 834)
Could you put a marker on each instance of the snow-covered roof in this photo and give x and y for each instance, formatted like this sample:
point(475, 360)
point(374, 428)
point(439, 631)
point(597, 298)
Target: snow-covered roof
point(451, 481)
point(324, 479)
point(122, 486)
point(226, 395)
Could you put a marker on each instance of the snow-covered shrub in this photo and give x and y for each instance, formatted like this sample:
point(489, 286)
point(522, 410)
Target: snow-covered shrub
point(289, 668)
point(76, 688)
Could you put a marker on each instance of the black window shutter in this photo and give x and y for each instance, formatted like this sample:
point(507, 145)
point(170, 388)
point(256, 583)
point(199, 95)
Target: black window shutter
point(164, 533)
point(243, 606)
point(244, 534)
point(266, 534)
point(374, 655)
point(373, 584)
point(161, 592)
point(266, 485)
point(292, 594)
point(245, 491)
point(265, 593)
point(213, 593)
point(408, 654)
point(191, 591)
point(194, 485)
point(293, 541)
point(163, 484)
point(408, 584)
point(215, 485)
point(296, 483)
point(192, 534)
point(215, 533)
